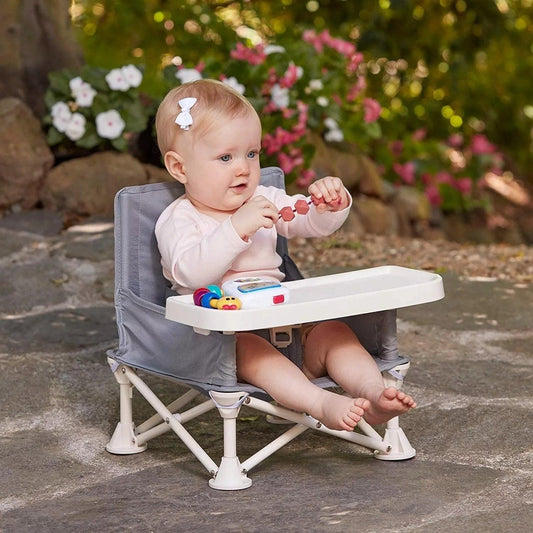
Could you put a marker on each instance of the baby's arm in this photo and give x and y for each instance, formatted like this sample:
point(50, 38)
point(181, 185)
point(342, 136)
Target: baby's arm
point(330, 207)
point(193, 258)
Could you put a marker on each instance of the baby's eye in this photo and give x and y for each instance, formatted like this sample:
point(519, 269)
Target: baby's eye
point(252, 154)
point(225, 158)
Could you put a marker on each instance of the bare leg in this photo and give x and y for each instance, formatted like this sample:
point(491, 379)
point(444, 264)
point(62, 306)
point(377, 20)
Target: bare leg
point(333, 349)
point(259, 363)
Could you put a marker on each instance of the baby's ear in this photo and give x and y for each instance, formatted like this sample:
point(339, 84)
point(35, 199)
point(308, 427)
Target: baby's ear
point(176, 166)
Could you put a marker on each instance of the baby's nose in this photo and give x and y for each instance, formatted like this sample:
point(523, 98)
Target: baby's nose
point(243, 167)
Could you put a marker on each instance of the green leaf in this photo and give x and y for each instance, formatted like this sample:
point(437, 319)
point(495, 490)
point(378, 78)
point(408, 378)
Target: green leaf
point(89, 140)
point(54, 136)
point(135, 118)
point(59, 82)
point(373, 130)
point(119, 144)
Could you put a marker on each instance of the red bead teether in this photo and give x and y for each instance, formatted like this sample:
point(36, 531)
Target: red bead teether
point(286, 213)
point(301, 207)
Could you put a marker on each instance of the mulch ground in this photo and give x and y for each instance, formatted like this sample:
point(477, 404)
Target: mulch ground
point(344, 250)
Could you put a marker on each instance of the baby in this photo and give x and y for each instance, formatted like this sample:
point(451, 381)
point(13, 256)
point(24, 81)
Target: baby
point(225, 227)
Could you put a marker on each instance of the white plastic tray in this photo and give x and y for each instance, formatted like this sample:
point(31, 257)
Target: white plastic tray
point(320, 298)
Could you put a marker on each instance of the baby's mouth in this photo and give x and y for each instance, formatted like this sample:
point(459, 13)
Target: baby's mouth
point(239, 187)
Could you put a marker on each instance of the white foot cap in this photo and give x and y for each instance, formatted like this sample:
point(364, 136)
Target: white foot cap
point(230, 476)
point(401, 448)
point(123, 441)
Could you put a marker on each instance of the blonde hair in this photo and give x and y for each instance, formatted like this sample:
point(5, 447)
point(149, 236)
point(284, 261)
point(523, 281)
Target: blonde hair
point(214, 101)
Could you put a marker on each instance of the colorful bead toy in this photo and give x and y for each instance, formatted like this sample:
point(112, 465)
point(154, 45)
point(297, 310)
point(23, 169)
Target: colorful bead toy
point(212, 296)
point(301, 207)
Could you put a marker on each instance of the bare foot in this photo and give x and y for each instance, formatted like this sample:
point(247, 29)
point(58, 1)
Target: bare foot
point(339, 412)
point(391, 402)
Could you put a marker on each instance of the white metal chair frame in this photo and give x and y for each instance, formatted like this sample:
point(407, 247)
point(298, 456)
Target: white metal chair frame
point(350, 294)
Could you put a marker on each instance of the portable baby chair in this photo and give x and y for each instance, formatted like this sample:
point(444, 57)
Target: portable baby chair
point(167, 335)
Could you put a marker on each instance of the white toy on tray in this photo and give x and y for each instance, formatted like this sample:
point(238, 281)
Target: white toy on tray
point(245, 293)
point(256, 292)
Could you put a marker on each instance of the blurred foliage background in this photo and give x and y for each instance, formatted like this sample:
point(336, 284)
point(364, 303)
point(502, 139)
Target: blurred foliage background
point(465, 66)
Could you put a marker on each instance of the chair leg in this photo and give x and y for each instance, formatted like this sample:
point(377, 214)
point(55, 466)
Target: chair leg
point(124, 441)
point(230, 474)
point(401, 448)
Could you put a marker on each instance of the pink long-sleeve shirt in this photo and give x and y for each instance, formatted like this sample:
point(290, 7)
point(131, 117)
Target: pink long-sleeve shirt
point(198, 250)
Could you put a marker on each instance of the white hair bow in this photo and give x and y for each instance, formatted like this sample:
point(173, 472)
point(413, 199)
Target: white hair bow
point(184, 119)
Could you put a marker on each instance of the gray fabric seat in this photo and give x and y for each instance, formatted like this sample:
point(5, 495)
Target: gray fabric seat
point(148, 341)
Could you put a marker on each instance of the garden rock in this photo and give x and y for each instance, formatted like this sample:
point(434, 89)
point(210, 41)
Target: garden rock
point(88, 185)
point(357, 171)
point(413, 210)
point(25, 157)
point(157, 174)
point(376, 217)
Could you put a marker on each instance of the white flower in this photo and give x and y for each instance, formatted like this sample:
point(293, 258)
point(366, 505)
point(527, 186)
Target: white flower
point(85, 95)
point(109, 125)
point(61, 116)
point(280, 96)
point(334, 136)
point(75, 84)
point(116, 80)
point(316, 85)
point(76, 127)
point(334, 133)
point(82, 92)
point(322, 101)
point(234, 84)
point(133, 75)
point(331, 123)
point(186, 75)
point(273, 49)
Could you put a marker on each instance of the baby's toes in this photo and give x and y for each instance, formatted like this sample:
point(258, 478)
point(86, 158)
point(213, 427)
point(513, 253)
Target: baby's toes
point(350, 421)
point(362, 404)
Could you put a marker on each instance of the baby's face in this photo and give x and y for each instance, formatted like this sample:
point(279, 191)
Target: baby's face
point(222, 167)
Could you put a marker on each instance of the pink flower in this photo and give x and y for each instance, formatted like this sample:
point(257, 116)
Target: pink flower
point(433, 195)
point(396, 148)
point(255, 56)
point(343, 47)
point(444, 177)
point(310, 36)
point(291, 76)
point(481, 145)
point(406, 172)
point(372, 110)
point(354, 61)
point(306, 177)
point(464, 185)
point(419, 135)
point(301, 127)
point(318, 41)
point(455, 140)
point(427, 178)
point(288, 162)
point(274, 143)
point(355, 90)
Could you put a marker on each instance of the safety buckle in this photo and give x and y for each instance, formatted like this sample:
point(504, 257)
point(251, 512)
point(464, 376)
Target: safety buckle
point(281, 336)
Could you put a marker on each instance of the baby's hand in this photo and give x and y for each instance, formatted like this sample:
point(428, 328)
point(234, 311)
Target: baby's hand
point(257, 213)
point(329, 194)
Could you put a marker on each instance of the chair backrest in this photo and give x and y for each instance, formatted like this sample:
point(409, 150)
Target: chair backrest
point(147, 340)
point(137, 257)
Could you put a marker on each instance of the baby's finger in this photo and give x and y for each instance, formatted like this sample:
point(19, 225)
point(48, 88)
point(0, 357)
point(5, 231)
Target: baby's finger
point(333, 187)
point(328, 189)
